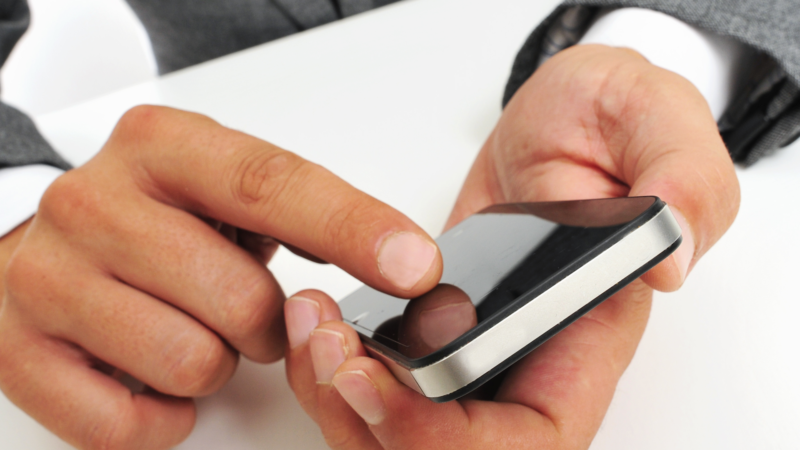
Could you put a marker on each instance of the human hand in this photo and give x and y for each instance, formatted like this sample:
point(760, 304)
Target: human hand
point(597, 122)
point(150, 260)
point(592, 122)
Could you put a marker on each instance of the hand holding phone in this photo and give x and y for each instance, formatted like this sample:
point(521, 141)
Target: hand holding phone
point(514, 276)
point(592, 122)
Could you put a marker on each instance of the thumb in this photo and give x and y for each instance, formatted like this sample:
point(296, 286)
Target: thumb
point(677, 154)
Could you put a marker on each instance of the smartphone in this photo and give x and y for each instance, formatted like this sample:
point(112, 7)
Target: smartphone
point(514, 276)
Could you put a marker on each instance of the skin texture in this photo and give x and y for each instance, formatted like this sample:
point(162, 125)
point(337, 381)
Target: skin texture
point(8, 244)
point(150, 260)
point(592, 122)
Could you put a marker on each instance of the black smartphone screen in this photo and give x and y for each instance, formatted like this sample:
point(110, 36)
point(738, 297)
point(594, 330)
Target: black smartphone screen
point(491, 260)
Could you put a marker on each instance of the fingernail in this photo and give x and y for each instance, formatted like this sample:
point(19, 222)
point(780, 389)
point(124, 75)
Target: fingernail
point(360, 393)
point(684, 254)
point(440, 326)
point(328, 352)
point(302, 316)
point(404, 258)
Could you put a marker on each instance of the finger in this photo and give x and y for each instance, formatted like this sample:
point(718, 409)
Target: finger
point(435, 319)
point(124, 327)
point(261, 247)
point(197, 164)
point(173, 256)
point(55, 384)
point(304, 311)
point(304, 254)
point(554, 398)
point(153, 342)
point(309, 359)
point(662, 140)
point(401, 418)
point(330, 345)
point(480, 189)
point(571, 379)
point(675, 152)
point(547, 180)
point(264, 247)
point(654, 134)
point(228, 232)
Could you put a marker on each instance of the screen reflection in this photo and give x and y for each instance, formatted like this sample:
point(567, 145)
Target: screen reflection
point(490, 260)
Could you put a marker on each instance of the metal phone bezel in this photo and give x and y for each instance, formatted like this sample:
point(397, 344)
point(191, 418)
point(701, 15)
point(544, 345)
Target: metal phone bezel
point(497, 343)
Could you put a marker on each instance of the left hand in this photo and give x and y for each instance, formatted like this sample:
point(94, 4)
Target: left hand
point(149, 260)
point(592, 122)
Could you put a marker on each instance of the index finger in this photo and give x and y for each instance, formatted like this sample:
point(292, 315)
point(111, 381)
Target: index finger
point(192, 162)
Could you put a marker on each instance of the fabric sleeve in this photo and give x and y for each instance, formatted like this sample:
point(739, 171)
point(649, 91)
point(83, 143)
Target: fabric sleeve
point(28, 164)
point(709, 61)
point(20, 141)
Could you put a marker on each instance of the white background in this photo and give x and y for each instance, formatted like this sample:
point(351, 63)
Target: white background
point(75, 50)
point(401, 116)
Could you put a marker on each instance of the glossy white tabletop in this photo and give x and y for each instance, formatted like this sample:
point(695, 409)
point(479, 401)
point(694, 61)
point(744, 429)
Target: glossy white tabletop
point(397, 102)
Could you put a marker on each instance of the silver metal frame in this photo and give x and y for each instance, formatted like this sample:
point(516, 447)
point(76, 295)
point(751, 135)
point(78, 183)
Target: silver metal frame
point(541, 314)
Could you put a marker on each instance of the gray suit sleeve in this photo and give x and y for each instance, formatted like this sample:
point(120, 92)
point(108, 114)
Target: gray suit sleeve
point(20, 141)
point(183, 33)
point(766, 114)
point(188, 32)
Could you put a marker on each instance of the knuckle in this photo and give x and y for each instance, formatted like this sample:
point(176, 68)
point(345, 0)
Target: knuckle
point(196, 365)
point(139, 122)
point(260, 176)
point(144, 121)
point(71, 198)
point(249, 307)
point(23, 272)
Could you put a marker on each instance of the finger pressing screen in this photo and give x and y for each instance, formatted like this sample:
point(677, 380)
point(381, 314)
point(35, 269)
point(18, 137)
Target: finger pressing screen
point(194, 163)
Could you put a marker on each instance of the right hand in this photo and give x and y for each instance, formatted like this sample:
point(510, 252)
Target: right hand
point(592, 122)
point(150, 260)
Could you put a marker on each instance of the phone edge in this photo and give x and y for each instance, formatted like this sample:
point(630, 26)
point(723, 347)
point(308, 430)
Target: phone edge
point(437, 380)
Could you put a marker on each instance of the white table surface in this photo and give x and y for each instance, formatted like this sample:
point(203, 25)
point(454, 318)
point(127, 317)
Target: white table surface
point(397, 102)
